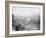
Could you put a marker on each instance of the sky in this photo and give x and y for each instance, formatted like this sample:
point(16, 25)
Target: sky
point(26, 11)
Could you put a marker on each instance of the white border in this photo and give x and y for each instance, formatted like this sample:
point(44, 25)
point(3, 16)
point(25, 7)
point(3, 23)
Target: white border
point(23, 32)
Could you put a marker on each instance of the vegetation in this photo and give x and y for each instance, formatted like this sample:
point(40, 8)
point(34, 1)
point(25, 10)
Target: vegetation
point(25, 23)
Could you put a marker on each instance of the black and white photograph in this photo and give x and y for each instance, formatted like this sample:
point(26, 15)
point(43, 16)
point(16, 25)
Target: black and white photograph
point(25, 18)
